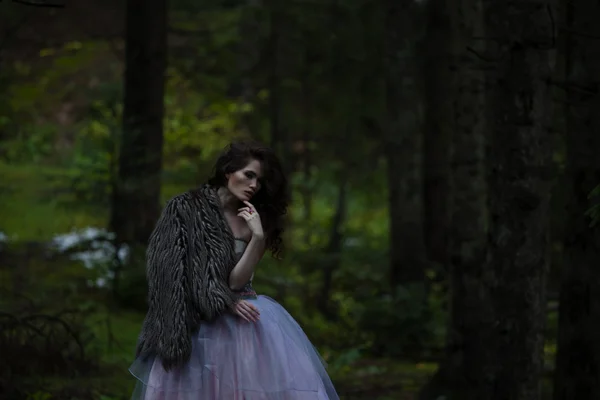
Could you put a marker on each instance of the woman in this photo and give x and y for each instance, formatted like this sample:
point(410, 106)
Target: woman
point(207, 335)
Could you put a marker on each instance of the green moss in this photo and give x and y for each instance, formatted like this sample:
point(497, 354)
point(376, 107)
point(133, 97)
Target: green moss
point(29, 211)
point(117, 334)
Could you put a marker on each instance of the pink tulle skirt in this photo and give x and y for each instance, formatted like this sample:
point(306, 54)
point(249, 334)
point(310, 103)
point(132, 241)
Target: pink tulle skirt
point(232, 359)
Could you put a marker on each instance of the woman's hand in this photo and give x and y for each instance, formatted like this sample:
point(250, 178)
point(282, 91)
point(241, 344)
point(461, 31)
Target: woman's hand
point(251, 216)
point(246, 310)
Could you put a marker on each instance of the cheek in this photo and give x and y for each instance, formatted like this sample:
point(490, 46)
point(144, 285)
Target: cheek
point(236, 180)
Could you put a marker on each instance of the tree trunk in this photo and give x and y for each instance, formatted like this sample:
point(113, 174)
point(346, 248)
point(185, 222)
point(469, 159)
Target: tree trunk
point(306, 187)
point(248, 53)
point(462, 374)
point(403, 142)
point(577, 374)
point(521, 43)
point(437, 78)
point(136, 194)
point(333, 252)
point(274, 79)
point(470, 300)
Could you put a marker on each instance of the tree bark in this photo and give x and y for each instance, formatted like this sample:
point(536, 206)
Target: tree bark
point(520, 41)
point(136, 193)
point(248, 53)
point(438, 88)
point(403, 143)
point(306, 187)
point(277, 138)
point(462, 374)
point(333, 252)
point(577, 374)
point(470, 301)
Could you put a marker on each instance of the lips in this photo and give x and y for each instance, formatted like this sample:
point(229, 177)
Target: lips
point(249, 193)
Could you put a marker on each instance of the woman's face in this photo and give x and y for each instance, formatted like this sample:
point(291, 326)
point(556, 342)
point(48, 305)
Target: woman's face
point(245, 183)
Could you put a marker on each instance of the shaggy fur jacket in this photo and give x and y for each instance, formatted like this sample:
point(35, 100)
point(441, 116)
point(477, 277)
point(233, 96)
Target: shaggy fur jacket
point(189, 258)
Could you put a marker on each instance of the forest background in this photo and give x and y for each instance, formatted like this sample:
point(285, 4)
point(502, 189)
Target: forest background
point(443, 155)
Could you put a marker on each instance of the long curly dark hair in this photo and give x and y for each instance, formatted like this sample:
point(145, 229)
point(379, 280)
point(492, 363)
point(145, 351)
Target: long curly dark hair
point(272, 200)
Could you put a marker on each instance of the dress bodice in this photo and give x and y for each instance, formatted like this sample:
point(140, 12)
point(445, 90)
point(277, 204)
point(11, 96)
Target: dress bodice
point(240, 247)
point(247, 292)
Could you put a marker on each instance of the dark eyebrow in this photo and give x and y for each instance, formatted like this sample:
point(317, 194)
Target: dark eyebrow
point(253, 172)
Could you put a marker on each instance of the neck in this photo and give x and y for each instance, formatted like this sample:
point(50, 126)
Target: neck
point(228, 200)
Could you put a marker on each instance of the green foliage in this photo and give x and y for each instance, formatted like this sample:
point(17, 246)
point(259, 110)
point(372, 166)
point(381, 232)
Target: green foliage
point(196, 128)
point(41, 97)
point(55, 77)
point(30, 211)
point(43, 324)
point(411, 322)
point(51, 293)
point(29, 144)
point(40, 395)
point(90, 165)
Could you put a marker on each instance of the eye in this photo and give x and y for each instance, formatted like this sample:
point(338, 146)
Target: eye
point(250, 174)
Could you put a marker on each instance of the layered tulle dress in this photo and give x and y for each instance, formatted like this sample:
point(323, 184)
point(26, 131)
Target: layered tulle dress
point(232, 359)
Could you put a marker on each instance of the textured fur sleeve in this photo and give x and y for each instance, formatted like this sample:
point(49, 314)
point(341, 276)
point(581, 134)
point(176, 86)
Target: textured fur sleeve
point(168, 284)
point(214, 261)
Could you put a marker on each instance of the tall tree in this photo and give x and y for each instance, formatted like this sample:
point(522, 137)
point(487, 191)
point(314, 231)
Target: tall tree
point(403, 145)
point(463, 372)
point(333, 250)
point(435, 59)
point(520, 46)
point(248, 53)
point(577, 373)
point(136, 193)
point(278, 137)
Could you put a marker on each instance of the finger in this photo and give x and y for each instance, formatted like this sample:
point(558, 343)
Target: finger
point(253, 311)
point(247, 311)
point(250, 215)
point(242, 314)
point(253, 307)
point(249, 315)
point(248, 204)
point(244, 214)
point(256, 314)
point(244, 209)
